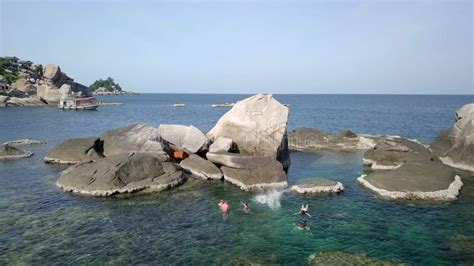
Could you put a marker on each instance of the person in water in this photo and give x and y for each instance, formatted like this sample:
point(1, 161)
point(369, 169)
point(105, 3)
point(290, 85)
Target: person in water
point(302, 225)
point(224, 206)
point(304, 210)
point(245, 206)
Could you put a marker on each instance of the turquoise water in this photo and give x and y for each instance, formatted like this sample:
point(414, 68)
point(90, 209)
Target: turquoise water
point(40, 224)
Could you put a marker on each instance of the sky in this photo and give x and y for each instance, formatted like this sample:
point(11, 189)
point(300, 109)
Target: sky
point(314, 47)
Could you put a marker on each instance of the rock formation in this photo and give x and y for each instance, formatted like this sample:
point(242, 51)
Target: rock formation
point(257, 125)
point(318, 186)
point(34, 85)
point(189, 139)
point(73, 151)
point(455, 146)
point(404, 169)
point(8, 152)
point(201, 167)
point(310, 139)
point(120, 174)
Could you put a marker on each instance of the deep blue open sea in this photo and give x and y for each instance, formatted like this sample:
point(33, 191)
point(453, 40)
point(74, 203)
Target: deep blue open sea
point(40, 224)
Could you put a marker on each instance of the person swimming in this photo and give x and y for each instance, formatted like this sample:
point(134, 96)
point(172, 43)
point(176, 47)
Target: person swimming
point(302, 225)
point(304, 210)
point(245, 206)
point(224, 206)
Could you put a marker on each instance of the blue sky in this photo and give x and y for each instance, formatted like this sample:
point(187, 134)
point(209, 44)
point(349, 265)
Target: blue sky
point(395, 47)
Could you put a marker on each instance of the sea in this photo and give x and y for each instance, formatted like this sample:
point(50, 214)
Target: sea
point(40, 224)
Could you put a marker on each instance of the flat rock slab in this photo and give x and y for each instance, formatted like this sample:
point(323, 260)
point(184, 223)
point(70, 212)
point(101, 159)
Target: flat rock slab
point(20, 142)
point(73, 151)
point(260, 178)
point(133, 138)
point(189, 139)
point(8, 152)
point(201, 167)
point(311, 139)
point(221, 145)
point(120, 174)
point(425, 181)
point(318, 186)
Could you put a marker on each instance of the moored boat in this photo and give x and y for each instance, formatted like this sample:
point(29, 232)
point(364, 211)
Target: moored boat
point(72, 103)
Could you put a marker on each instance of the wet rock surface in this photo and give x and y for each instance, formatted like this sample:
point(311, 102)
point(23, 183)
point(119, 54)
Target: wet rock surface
point(75, 150)
point(201, 167)
point(318, 186)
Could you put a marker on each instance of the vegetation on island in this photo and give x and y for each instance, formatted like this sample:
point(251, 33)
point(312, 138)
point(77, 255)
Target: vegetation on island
point(108, 83)
point(11, 67)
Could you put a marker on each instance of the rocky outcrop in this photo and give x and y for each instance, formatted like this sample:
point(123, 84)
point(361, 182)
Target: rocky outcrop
point(133, 138)
point(73, 151)
point(200, 167)
point(404, 169)
point(310, 139)
point(242, 161)
point(318, 186)
point(220, 145)
point(124, 173)
point(257, 125)
point(189, 139)
point(8, 152)
point(29, 101)
point(392, 152)
point(455, 146)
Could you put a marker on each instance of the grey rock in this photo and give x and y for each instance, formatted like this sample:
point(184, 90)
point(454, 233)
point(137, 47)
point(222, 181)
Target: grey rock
point(19, 142)
point(235, 160)
point(121, 173)
point(8, 152)
point(257, 125)
point(455, 146)
point(200, 167)
point(189, 139)
point(263, 177)
point(30, 101)
point(133, 138)
point(51, 71)
point(318, 186)
point(221, 144)
point(310, 139)
point(75, 150)
point(49, 93)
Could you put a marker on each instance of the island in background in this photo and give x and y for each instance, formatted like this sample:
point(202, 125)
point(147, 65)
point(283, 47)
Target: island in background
point(108, 87)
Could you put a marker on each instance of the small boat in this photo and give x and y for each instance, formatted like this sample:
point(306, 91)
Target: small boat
point(72, 103)
point(179, 105)
point(223, 105)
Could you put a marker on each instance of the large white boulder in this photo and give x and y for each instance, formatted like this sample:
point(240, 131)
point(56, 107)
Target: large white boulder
point(189, 139)
point(257, 125)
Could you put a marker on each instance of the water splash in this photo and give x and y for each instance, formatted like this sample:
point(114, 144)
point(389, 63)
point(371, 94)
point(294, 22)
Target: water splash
point(271, 198)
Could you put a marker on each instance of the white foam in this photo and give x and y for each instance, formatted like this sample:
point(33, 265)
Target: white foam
point(271, 198)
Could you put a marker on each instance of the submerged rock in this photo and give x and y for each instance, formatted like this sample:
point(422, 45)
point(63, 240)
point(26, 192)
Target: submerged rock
point(310, 139)
point(257, 125)
point(201, 167)
point(318, 186)
point(73, 151)
point(19, 142)
point(455, 146)
point(121, 174)
point(8, 152)
point(189, 139)
point(341, 258)
point(133, 138)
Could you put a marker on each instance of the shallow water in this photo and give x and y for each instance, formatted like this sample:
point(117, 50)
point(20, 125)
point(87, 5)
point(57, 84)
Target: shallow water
point(40, 224)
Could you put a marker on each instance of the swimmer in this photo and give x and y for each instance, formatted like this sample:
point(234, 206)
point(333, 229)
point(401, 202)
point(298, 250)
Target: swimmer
point(302, 225)
point(304, 210)
point(246, 207)
point(224, 206)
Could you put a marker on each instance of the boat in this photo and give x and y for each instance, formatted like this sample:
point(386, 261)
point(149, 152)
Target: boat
point(223, 105)
point(179, 105)
point(73, 103)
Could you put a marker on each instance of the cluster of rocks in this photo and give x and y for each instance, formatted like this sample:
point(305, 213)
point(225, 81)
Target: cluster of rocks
point(38, 86)
point(398, 168)
point(247, 147)
point(10, 151)
point(101, 91)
